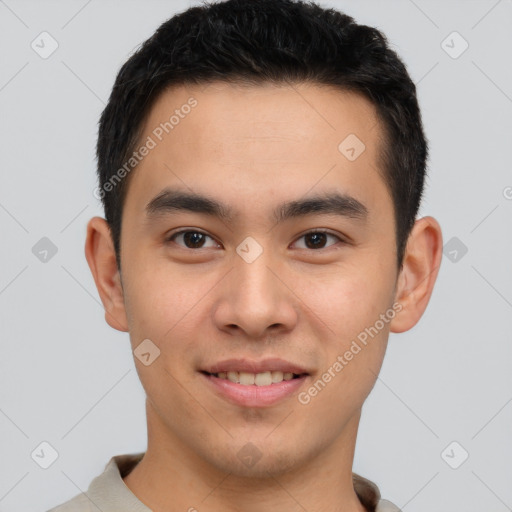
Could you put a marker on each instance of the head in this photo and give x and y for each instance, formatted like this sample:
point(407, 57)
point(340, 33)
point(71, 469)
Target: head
point(287, 140)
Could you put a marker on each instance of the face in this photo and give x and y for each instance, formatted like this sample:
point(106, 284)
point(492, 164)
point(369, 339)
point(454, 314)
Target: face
point(292, 272)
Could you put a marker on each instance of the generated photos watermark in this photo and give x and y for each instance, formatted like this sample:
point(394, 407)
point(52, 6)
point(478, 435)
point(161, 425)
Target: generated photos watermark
point(355, 348)
point(157, 135)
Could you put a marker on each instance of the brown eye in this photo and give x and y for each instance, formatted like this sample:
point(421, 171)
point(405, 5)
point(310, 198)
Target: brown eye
point(191, 239)
point(317, 239)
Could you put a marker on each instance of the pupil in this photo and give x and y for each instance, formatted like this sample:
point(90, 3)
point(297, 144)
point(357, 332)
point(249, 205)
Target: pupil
point(193, 237)
point(318, 240)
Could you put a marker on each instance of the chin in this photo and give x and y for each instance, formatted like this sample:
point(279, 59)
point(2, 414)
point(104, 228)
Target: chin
point(255, 460)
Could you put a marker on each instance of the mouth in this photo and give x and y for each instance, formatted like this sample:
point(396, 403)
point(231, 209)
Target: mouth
point(255, 384)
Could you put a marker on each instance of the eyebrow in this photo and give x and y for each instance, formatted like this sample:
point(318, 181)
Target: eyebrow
point(170, 200)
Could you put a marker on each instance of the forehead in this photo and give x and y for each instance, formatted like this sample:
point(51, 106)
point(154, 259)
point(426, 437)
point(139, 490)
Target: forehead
point(268, 113)
point(261, 138)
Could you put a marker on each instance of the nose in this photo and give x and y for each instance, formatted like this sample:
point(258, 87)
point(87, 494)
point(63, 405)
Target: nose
point(255, 299)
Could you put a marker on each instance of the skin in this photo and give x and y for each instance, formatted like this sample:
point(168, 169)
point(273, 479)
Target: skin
point(252, 148)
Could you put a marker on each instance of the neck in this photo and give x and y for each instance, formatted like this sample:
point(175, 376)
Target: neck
point(171, 477)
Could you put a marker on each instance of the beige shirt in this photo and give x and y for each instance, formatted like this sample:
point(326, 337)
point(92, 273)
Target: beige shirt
point(109, 493)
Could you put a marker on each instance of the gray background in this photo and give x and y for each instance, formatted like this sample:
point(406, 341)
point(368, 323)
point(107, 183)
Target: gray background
point(68, 379)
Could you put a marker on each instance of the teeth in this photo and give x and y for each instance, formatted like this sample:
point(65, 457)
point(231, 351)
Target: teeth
point(233, 376)
point(258, 379)
point(247, 379)
point(263, 379)
point(277, 376)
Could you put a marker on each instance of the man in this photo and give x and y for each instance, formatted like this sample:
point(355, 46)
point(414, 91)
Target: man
point(261, 165)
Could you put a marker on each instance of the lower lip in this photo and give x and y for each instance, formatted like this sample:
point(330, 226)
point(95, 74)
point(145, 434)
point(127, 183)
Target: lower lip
point(255, 396)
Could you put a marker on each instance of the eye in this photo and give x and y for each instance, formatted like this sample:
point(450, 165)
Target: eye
point(192, 239)
point(317, 239)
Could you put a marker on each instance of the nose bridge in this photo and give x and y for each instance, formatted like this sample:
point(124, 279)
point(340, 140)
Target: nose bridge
point(254, 298)
point(254, 284)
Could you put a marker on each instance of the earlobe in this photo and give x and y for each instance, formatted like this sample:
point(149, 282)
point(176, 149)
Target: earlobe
point(100, 255)
point(416, 281)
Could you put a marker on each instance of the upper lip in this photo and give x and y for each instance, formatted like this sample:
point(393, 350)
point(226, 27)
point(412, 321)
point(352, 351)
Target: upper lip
point(251, 366)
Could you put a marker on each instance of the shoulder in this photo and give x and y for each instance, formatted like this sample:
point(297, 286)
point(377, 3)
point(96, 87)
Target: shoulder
point(80, 503)
point(386, 506)
point(369, 495)
point(107, 491)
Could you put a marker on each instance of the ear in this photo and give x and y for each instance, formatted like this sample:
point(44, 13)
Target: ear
point(100, 255)
point(416, 280)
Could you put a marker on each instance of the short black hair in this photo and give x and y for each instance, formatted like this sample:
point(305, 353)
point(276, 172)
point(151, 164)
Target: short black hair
point(276, 41)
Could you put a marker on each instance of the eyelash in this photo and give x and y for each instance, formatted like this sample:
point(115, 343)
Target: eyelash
point(174, 235)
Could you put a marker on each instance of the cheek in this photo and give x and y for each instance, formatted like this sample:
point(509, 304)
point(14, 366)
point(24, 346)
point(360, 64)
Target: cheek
point(348, 299)
point(159, 300)
point(353, 349)
point(351, 307)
